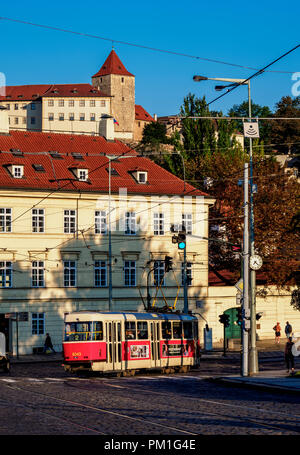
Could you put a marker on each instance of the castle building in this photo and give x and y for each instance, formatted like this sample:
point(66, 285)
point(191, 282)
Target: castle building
point(106, 107)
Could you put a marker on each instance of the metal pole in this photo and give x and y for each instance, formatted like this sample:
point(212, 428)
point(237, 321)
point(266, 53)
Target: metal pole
point(109, 241)
point(186, 303)
point(253, 358)
point(245, 307)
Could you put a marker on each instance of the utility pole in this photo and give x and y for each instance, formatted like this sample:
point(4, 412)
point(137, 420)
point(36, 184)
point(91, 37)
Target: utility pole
point(245, 307)
point(253, 358)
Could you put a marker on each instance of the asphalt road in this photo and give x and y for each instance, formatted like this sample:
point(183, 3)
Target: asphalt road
point(41, 399)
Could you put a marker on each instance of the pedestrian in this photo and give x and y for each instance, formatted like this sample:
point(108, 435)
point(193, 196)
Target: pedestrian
point(288, 355)
point(277, 329)
point(288, 329)
point(48, 344)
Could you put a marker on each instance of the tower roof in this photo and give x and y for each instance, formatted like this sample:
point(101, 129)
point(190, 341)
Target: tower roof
point(112, 65)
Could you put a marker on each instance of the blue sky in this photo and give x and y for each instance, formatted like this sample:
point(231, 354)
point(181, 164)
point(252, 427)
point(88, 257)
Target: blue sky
point(246, 33)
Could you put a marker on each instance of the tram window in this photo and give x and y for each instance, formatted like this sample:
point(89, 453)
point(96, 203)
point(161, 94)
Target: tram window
point(177, 329)
point(98, 331)
point(188, 329)
point(166, 330)
point(130, 330)
point(142, 330)
point(78, 331)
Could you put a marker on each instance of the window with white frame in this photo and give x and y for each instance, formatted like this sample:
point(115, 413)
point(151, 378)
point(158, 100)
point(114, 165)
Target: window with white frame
point(61, 103)
point(38, 220)
point(50, 102)
point(187, 222)
point(142, 177)
point(100, 273)
point(69, 274)
point(51, 116)
point(37, 274)
point(71, 116)
point(61, 116)
point(38, 323)
point(189, 276)
point(159, 272)
point(71, 103)
point(18, 171)
point(69, 221)
point(92, 117)
point(5, 220)
point(100, 222)
point(5, 274)
point(159, 224)
point(130, 223)
point(82, 174)
point(130, 273)
point(82, 117)
point(92, 103)
point(82, 103)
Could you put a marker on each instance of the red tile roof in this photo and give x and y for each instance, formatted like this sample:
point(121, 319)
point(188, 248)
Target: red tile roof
point(34, 92)
point(93, 149)
point(141, 114)
point(112, 65)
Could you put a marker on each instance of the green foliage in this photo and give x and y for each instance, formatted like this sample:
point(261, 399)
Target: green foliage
point(154, 133)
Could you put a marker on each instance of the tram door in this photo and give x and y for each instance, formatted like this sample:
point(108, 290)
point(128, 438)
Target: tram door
point(114, 345)
point(155, 348)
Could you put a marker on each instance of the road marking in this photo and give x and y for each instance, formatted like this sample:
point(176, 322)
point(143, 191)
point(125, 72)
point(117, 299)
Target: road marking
point(114, 385)
point(7, 380)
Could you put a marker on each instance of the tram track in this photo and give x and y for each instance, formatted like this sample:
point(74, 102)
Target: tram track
point(146, 422)
point(139, 389)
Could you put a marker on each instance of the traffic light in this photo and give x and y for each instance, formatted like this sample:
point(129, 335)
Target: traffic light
point(168, 263)
point(239, 316)
point(181, 240)
point(224, 319)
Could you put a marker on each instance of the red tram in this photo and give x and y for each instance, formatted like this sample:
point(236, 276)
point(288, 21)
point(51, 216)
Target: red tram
point(123, 343)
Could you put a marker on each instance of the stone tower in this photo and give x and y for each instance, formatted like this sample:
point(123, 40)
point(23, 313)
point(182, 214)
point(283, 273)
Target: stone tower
point(114, 80)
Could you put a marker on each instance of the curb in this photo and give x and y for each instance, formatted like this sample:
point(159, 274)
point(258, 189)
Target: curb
point(257, 386)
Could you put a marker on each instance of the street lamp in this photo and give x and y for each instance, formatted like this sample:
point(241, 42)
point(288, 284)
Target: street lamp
point(253, 359)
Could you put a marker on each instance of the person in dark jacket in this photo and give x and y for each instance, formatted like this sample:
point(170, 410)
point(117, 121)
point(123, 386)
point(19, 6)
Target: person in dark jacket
point(48, 344)
point(288, 355)
point(288, 329)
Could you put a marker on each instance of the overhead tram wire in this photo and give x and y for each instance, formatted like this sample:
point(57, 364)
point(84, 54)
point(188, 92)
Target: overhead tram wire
point(180, 54)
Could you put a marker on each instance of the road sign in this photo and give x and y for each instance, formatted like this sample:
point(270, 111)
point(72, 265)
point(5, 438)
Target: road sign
point(251, 129)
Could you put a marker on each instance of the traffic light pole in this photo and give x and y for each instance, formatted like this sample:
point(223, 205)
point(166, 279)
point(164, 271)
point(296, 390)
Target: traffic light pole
point(185, 289)
point(245, 307)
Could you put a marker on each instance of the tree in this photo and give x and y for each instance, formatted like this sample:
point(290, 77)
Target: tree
point(286, 133)
point(154, 133)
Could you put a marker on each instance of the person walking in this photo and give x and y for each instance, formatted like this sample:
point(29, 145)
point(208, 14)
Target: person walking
point(48, 344)
point(288, 355)
point(288, 329)
point(277, 329)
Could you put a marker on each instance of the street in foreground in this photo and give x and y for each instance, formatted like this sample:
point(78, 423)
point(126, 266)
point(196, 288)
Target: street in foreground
point(41, 399)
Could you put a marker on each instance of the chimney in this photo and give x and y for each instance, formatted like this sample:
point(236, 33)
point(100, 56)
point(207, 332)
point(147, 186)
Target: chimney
point(155, 117)
point(106, 127)
point(4, 125)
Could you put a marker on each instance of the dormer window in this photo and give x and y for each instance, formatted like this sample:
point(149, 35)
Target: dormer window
point(82, 174)
point(142, 177)
point(17, 171)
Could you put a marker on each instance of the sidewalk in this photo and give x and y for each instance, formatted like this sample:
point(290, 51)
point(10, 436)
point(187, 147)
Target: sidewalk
point(37, 358)
point(277, 380)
